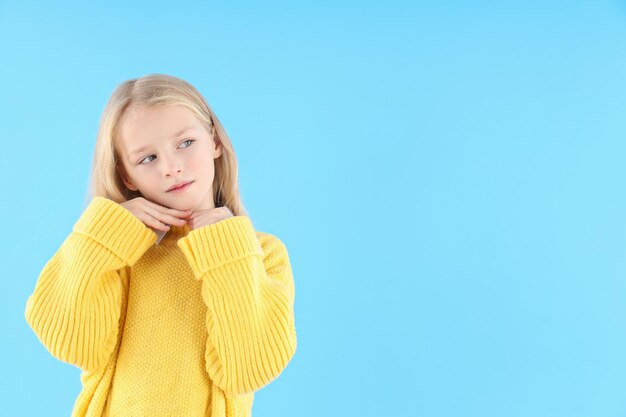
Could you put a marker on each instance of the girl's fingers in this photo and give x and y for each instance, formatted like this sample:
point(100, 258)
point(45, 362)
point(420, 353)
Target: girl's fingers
point(171, 219)
point(154, 219)
point(152, 222)
point(164, 218)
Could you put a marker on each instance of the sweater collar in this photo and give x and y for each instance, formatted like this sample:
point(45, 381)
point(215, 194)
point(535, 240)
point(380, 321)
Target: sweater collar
point(175, 232)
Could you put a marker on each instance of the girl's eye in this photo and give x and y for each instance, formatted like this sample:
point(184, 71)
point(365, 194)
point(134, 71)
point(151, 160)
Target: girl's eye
point(188, 140)
point(141, 162)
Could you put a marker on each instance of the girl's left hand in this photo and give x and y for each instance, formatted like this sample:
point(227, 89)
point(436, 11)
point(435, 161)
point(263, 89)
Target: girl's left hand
point(205, 217)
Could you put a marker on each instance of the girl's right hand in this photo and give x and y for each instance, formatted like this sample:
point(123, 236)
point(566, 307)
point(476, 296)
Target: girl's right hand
point(154, 215)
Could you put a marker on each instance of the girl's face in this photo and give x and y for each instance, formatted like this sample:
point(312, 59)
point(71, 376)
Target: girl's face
point(165, 145)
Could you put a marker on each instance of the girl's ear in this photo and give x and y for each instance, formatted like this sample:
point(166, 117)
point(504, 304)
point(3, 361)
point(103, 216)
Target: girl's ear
point(127, 182)
point(130, 186)
point(218, 147)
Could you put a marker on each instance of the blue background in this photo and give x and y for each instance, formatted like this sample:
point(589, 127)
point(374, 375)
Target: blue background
point(448, 178)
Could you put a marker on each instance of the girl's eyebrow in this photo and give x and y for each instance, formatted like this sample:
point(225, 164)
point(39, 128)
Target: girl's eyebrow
point(180, 132)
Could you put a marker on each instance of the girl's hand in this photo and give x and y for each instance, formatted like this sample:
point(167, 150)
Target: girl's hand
point(154, 215)
point(205, 217)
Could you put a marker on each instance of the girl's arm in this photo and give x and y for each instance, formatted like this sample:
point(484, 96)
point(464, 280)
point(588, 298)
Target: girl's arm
point(75, 307)
point(248, 287)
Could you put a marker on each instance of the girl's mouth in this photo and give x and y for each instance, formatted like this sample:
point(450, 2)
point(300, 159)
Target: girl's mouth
point(182, 188)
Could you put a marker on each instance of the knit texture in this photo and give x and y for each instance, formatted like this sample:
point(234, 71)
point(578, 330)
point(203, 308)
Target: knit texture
point(190, 323)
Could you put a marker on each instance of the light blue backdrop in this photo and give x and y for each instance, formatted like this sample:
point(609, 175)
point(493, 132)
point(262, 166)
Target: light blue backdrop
point(448, 177)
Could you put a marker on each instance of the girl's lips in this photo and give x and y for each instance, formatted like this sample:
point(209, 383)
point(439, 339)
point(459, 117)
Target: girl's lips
point(183, 188)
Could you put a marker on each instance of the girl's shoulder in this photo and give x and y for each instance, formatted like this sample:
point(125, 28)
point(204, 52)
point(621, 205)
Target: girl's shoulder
point(270, 243)
point(265, 236)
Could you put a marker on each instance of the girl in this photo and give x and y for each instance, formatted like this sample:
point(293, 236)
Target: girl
point(163, 294)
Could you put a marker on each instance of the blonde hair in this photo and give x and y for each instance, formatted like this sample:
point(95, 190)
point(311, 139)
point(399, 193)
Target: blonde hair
point(154, 90)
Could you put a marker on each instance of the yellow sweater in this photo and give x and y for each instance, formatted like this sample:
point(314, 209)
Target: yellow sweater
point(189, 326)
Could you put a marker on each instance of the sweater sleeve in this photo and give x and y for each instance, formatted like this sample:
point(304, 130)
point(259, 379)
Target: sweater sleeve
point(75, 307)
point(248, 287)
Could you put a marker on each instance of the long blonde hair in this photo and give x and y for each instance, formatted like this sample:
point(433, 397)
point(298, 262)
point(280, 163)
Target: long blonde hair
point(154, 90)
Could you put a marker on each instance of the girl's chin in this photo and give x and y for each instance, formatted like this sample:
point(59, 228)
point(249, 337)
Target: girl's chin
point(182, 206)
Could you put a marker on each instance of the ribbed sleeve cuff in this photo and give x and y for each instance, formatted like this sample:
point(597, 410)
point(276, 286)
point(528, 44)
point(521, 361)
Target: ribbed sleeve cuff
point(116, 228)
point(219, 243)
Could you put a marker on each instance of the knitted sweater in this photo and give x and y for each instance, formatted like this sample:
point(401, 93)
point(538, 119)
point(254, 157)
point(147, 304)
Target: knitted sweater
point(188, 326)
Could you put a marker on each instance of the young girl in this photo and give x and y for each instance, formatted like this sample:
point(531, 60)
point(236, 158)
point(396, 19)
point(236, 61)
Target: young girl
point(163, 294)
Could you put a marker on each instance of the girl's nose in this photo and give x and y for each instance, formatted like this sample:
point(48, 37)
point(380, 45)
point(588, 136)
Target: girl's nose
point(173, 168)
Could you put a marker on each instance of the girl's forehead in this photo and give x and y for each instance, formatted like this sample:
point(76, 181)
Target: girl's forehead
point(152, 123)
